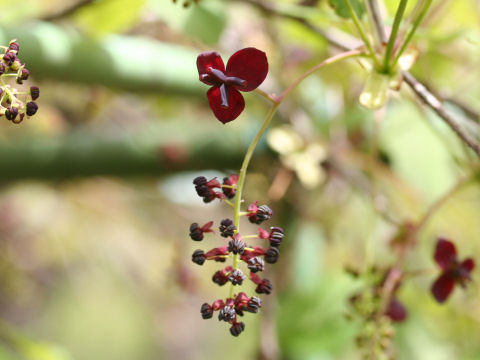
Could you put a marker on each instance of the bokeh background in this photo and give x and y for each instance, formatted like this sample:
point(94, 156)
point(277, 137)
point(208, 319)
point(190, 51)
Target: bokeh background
point(96, 195)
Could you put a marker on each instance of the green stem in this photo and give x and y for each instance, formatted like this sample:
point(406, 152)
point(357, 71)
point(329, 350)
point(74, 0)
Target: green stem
point(246, 162)
point(364, 37)
point(416, 23)
point(329, 61)
point(393, 34)
point(242, 175)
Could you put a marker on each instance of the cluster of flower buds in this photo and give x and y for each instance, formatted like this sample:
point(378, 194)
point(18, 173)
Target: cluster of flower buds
point(252, 257)
point(11, 103)
point(377, 307)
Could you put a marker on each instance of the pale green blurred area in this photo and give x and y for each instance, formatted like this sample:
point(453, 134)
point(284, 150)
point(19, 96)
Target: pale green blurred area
point(98, 267)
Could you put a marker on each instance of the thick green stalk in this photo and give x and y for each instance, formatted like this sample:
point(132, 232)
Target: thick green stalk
point(416, 23)
point(393, 35)
point(242, 174)
point(364, 37)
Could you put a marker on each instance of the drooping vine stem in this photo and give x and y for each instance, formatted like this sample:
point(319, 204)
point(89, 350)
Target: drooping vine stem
point(268, 118)
point(360, 30)
point(415, 25)
point(393, 35)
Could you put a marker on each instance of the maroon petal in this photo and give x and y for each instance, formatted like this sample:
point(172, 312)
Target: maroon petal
point(210, 59)
point(468, 265)
point(443, 287)
point(248, 64)
point(445, 254)
point(396, 311)
point(236, 104)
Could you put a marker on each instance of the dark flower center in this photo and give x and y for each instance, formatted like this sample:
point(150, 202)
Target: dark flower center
point(219, 78)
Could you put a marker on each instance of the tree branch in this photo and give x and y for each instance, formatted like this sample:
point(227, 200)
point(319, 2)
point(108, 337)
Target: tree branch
point(436, 105)
point(67, 11)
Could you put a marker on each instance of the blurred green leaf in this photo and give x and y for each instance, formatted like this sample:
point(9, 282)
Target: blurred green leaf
point(205, 23)
point(30, 349)
point(125, 62)
point(109, 16)
point(341, 8)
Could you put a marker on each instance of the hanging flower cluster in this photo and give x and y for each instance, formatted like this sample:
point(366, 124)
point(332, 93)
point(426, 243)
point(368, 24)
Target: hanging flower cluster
point(252, 257)
point(15, 104)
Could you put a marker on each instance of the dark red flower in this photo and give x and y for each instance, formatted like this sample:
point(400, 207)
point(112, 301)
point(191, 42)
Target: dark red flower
point(196, 232)
point(245, 71)
point(396, 311)
point(275, 236)
point(229, 181)
point(258, 214)
point(453, 271)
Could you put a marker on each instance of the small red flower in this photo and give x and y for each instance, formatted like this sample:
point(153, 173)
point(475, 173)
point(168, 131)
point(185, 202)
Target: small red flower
point(453, 271)
point(245, 71)
point(396, 311)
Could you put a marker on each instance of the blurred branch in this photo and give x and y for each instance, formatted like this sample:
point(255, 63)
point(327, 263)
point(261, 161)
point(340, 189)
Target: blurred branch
point(123, 62)
point(436, 105)
point(86, 154)
point(419, 89)
point(374, 12)
point(337, 38)
point(66, 11)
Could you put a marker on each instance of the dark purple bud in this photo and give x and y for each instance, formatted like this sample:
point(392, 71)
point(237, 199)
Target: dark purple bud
point(2, 68)
point(11, 113)
point(200, 180)
point(262, 213)
point(220, 278)
point(207, 311)
point(236, 245)
point(198, 257)
point(237, 328)
point(265, 287)
point(236, 277)
point(196, 233)
point(230, 181)
point(32, 108)
point(226, 314)
point(256, 264)
point(9, 58)
point(276, 236)
point(24, 74)
point(227, 228)
point(34, 92)
point(13, 46)
point(254, 304)
point(272, 254)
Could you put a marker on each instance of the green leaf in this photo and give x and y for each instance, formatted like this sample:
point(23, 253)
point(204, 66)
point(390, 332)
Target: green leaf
point(97, 18)
point(27, 348)
point(201, 15)
point(341, 8)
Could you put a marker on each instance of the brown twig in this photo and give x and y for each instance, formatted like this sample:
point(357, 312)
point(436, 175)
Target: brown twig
point(436, 105)
point(376, 17)
point(67, 11)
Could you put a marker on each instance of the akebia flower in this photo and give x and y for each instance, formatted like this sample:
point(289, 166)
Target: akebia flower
point(245, 71)
point(453, 271)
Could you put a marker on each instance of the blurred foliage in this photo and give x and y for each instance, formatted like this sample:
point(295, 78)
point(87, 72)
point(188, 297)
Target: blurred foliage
point(96, 193)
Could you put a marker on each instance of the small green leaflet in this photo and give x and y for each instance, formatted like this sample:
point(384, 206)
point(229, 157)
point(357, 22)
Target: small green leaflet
point(341, 8)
